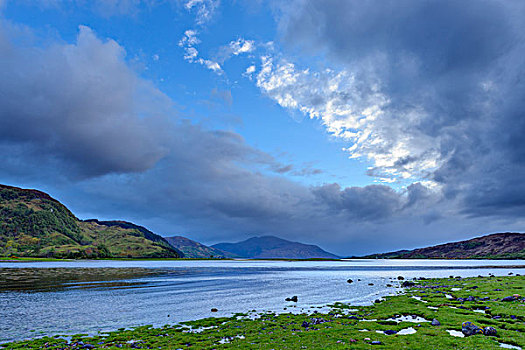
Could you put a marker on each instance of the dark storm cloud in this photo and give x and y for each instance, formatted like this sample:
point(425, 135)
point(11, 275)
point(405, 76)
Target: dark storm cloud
point(364, 203)
point(76, 105)
point(455, 68)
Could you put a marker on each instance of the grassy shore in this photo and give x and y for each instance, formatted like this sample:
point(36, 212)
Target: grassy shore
point(343, 326)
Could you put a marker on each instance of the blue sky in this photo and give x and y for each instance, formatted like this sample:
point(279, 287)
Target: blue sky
point(150, 35)
point(359, 126)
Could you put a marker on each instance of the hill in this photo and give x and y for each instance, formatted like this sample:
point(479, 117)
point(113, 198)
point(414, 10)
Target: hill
point(33, 224)
point(509, 245)
point(268, 247)
point(196, 250)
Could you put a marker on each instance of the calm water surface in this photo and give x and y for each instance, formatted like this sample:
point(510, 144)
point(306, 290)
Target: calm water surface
point(46, 298)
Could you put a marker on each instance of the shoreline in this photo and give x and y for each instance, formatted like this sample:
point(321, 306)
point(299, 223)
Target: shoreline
point(36, 259)
point(450, 301)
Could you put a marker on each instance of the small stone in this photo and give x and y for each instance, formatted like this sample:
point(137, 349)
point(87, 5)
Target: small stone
point(390, 332)
point(370, 284)
point(349, 281)
point(435, 323)
point(400, 278)
point(490, 331)
point(214, 310)
point(376, 342)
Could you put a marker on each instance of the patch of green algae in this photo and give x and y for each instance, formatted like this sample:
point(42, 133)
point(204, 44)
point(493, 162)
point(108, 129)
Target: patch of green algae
point(337, 329)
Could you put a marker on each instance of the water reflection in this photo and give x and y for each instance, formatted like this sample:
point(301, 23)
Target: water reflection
point(56, 279)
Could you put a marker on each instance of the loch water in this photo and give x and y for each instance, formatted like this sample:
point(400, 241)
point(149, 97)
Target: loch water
point(68, 297)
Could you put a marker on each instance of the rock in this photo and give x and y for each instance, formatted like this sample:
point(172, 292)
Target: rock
point(496, 317)
point(376, 342)
point(370, 284)
point(389, 285)
point(353, 318)
point(214, 310)
point(377, 301)
point(305, 324)
point(400, 278)
point(509, 298)
point(294, 299)
point(435, 323)
point(349, 281)
point(390, 332)
point(469, 328)
point(408, 284)
point(490, 331)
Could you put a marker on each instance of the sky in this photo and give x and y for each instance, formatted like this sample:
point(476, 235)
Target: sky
point(360, 126)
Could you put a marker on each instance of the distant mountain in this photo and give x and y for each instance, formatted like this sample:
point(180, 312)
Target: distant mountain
point(196, 250)
point(33, 224)
point(507, 245)
point(273, 247)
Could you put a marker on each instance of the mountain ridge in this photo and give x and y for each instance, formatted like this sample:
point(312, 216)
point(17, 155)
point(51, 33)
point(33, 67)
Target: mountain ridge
point(271, 247)
point(507, 245)
point(196, 250)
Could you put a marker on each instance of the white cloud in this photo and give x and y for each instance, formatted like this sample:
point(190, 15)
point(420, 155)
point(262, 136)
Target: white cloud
point(189, 39)
point(188, 42)
point(211, 65)
point(249, 72)
point(190, 53)
point(355, 109)
point(205, 9)
point(241, 46)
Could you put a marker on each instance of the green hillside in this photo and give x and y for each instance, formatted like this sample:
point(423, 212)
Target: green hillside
point(32, 224)
point(196, 250)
